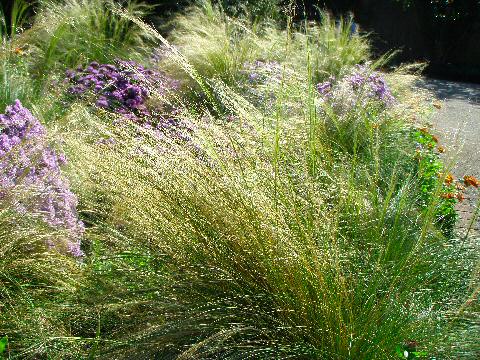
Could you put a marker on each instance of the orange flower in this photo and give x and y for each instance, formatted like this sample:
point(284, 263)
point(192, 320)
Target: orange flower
point(449, 179)
point(437, 104)
point(440, 149)
point(448, 196)
point(434, 138)
point(471, 181)
point(18, 51)
point(460, 197)
point(423, 130)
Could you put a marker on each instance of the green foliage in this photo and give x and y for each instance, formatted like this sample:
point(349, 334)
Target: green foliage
point(271, 236)
point(3, 345)
point(333, 48)
point(14, 80)
point(73, 32)
point(434, 189)
point(406, 352)
point(12, 25)
point(255, 9)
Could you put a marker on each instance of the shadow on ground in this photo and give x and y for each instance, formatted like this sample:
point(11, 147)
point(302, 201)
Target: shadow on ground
point(448, 90)
point(457, 124)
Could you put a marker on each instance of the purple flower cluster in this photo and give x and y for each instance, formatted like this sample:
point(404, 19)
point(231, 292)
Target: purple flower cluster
point(123, 88)
point(361, 85)
point(372, 83)
point(325, 88)
point(261, 79)
point(27, 162)
point(260, 71)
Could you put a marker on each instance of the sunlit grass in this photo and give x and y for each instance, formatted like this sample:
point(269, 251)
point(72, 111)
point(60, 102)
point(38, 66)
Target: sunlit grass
point(268, 236)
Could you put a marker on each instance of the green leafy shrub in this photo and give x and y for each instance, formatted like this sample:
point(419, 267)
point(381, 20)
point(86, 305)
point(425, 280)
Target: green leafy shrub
point(437, 187)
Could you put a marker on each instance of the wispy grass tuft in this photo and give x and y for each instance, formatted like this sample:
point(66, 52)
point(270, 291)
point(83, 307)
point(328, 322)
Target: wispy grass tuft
point(221, 258)
point(32, 280)
point(219, 46)
point(73, 32)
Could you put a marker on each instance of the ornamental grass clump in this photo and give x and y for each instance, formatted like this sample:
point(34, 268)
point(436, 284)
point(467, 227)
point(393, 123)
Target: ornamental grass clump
point(71, 32)
point(279, 248)
point(31, 179)
point(354, 107)
point(31, 282)
point(332, 47)
point(221, 259)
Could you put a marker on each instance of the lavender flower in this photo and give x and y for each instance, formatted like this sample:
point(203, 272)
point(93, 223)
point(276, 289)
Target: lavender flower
point(372, 83)
point(261, 78)
point(359, 88)
point(122, 88)
point(26, 161)
point(325, 88)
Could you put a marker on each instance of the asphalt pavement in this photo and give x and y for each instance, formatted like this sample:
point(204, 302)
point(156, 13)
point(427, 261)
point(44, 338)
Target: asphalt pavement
point(457, 124)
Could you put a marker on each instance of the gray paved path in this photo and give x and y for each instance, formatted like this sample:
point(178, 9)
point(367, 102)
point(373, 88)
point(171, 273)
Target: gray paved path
point(458, 125)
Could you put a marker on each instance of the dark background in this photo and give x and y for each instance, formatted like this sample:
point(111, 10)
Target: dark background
point(446, 33)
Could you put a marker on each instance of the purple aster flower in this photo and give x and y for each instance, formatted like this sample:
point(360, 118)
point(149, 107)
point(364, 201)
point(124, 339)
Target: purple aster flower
point(122, 88)
point(27, 161)
point(362, 86)
point(102, 102)
point(324, 88)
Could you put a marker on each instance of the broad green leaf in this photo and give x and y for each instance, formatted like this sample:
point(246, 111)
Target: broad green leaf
point(3, 344)
point(399, 351)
